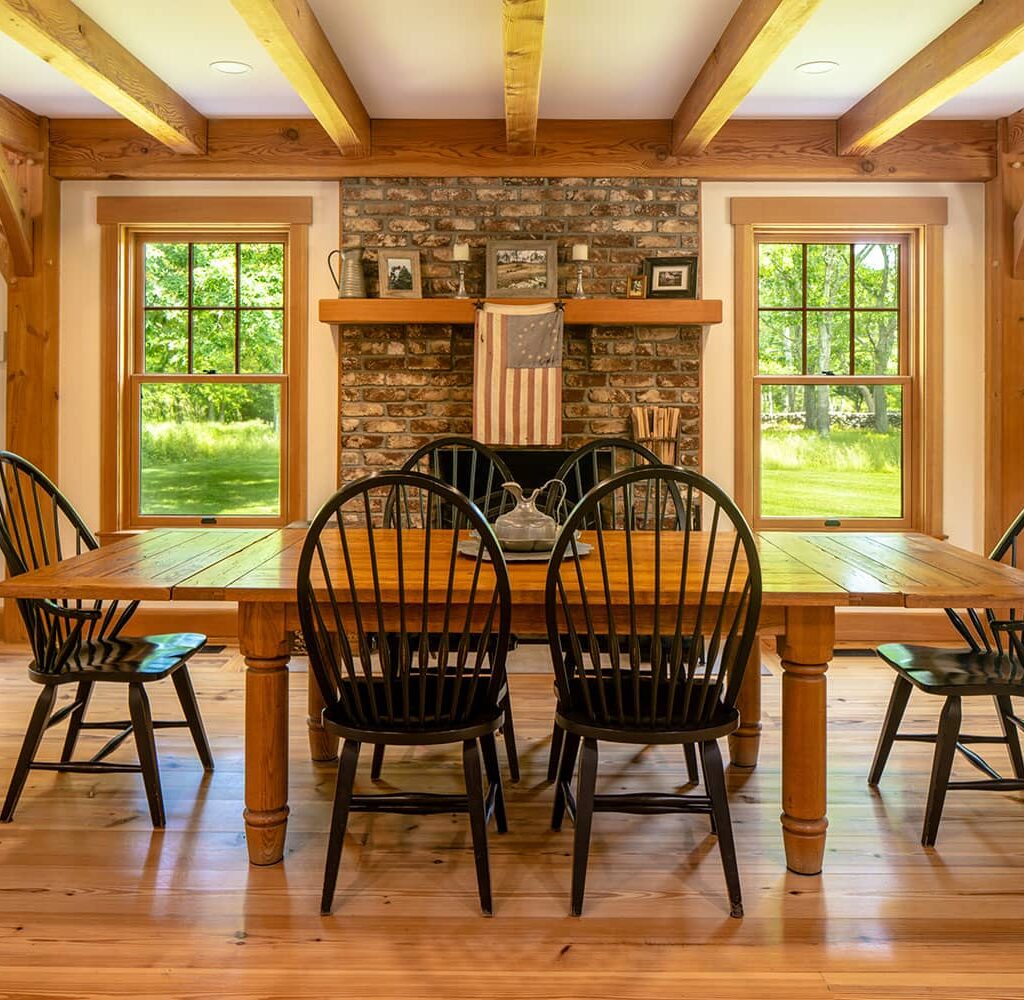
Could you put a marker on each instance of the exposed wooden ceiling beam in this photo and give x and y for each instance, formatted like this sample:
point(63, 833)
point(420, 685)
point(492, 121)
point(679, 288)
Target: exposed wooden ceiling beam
point(751, 42)
point(14, 220)
point(747, 149)
point(987, 36)
point(290, 32)
point(19, 128)
point(522, 33)
point(70, 41)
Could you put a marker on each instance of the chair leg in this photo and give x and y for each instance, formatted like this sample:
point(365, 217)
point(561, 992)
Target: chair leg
point(566, 766)
point(584, 817)
point(714, 779)
point(477, 821)
point(347, 761)
point(690, 754)
point(29, 748)
point(145, 744)
point(942, 765)
point(893, 717)
point(377, 763)
point(189, 705)
point(509, 732)
point(75, 720)
point(489, 748)
point(1004, 705)
point(557, 734)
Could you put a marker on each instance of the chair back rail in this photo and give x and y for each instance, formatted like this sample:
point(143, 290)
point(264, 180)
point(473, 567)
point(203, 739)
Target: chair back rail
point(993, 630)
point(597, 461)
point(40, 527)
point(469, 466)
point(382, 653)
point(682, 665)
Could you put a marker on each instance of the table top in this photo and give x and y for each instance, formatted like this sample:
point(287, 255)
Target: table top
point(878, 569)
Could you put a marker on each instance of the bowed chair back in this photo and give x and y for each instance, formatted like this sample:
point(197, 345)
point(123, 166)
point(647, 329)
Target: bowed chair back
point(597, 462)
point(387, 651)
point(680, 665)
point(38, 528)
point(470, 467)
point(1000, 632)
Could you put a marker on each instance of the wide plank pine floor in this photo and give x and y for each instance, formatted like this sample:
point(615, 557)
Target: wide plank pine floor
point(93, 903)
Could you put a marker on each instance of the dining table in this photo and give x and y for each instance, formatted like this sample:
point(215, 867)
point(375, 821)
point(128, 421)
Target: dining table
point(806, 576)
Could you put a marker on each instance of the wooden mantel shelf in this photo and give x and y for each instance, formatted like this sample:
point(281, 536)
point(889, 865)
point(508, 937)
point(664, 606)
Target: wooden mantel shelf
point(578, 312)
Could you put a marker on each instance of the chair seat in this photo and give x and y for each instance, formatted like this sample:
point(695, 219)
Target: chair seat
point(482, 716)
point(126, 659)
point(955, 671)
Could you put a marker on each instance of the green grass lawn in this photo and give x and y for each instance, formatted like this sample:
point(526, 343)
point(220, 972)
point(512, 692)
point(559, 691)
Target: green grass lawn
point(210, 470)
point(848, 473)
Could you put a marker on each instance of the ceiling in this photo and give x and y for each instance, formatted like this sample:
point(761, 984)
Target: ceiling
point(443, 58)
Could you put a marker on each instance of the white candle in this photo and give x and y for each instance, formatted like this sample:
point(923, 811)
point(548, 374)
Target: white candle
point(460, 251)
point(580, 251)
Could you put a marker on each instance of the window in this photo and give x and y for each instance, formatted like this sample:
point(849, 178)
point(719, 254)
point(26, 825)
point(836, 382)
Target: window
point(210, 365)
point(208, 376)
point(838, 362)
point(832, 368)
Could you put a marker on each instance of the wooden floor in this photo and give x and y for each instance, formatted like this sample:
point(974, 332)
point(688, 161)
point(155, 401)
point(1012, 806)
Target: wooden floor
point(93, 903)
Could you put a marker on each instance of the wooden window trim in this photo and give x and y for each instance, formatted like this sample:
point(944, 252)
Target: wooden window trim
point(846, 219)
point(839, 213)
point(120, 218)
point(212, 211)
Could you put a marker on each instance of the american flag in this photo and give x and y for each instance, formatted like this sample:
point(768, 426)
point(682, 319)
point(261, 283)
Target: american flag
point(517, 375)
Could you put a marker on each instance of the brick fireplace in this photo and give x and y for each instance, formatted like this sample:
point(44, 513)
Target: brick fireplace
point(403, 385)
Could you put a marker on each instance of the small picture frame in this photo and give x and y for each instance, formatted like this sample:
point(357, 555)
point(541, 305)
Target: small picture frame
point(671, 277)
point(399, 271)
point(522, 269)
point(636, 286)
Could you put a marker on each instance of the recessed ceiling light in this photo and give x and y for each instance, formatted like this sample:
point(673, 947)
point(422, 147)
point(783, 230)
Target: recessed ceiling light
point(817, 67)
point(231, 67)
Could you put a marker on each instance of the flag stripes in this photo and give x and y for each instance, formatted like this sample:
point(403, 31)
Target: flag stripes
point(514, 405)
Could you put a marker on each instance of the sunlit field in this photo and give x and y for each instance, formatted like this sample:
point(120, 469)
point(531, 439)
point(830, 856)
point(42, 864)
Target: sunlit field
point(847, 473)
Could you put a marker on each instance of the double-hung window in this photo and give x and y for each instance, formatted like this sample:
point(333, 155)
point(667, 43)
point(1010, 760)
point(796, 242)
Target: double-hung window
point(838, 362)
point(211, 359)
point(833, 370)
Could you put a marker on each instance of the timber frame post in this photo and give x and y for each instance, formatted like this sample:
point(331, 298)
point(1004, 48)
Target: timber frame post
point(33, 331)
point(1004, 325)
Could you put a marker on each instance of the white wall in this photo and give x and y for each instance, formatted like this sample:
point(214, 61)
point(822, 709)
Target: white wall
point(964, 326)
point(80, 328)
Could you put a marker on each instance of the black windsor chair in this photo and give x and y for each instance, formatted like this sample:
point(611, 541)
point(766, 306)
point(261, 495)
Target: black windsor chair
point(589, 465)
point(991, 666)
point(82, 643)
point(706, 591)
point(438, 674)
point(478, 473)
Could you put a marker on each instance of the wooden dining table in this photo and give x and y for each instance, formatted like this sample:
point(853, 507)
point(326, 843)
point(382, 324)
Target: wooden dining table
point(806, 576)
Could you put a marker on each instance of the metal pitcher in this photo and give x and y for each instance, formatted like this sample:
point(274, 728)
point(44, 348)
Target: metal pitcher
point(349, 278)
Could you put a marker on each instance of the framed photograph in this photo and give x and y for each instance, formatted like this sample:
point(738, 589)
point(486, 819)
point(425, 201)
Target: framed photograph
point(522, 269)
point(399, 274)
point(636, 286)
point(671, 277)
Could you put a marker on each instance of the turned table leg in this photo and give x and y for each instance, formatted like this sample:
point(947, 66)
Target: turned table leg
point(322, 745)
point(264, 644)
point(808, 646)
point(745, 743)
